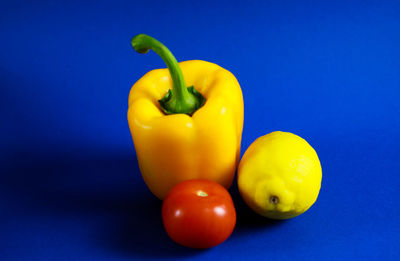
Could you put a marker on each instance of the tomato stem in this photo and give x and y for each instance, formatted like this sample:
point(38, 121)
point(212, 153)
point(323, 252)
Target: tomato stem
point(201, 193)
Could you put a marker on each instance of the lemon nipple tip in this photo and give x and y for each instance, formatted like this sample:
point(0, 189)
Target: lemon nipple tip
point(274, 200)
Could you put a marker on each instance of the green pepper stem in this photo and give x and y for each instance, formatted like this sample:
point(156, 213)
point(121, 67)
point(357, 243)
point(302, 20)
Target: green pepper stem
point(180, 99)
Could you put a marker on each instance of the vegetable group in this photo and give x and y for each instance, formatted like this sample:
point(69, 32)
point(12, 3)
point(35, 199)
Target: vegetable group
point(186, 124)
point(198, 214)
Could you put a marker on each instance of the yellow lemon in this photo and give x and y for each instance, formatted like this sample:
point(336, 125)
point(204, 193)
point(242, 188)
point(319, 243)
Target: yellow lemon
point(279, 175)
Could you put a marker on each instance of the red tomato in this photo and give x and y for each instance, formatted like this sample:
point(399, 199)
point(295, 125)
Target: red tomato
point(198, 214)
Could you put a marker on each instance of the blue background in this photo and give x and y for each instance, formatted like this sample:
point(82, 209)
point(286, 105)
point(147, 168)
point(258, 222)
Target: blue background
point(70, 187)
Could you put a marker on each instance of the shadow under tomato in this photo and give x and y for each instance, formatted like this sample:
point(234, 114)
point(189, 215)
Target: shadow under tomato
point(105, 188)
point(141, 232)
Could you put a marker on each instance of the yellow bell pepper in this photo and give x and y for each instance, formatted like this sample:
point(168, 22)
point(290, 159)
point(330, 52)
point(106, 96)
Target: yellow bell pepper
point(185, 133)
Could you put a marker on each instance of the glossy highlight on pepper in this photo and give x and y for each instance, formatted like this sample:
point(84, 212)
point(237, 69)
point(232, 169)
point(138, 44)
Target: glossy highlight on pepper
point(198, 134)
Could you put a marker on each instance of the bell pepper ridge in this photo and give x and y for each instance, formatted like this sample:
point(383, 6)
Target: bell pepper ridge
point(179, 99)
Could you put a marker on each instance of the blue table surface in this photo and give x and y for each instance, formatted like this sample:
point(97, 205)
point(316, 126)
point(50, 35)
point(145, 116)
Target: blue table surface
point(70, 186)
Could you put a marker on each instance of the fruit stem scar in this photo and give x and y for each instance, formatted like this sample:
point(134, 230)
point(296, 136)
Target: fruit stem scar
point(274, 200)
point(201, 193)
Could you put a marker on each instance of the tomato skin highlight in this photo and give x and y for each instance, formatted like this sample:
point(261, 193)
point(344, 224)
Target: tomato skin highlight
point(198, 214)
